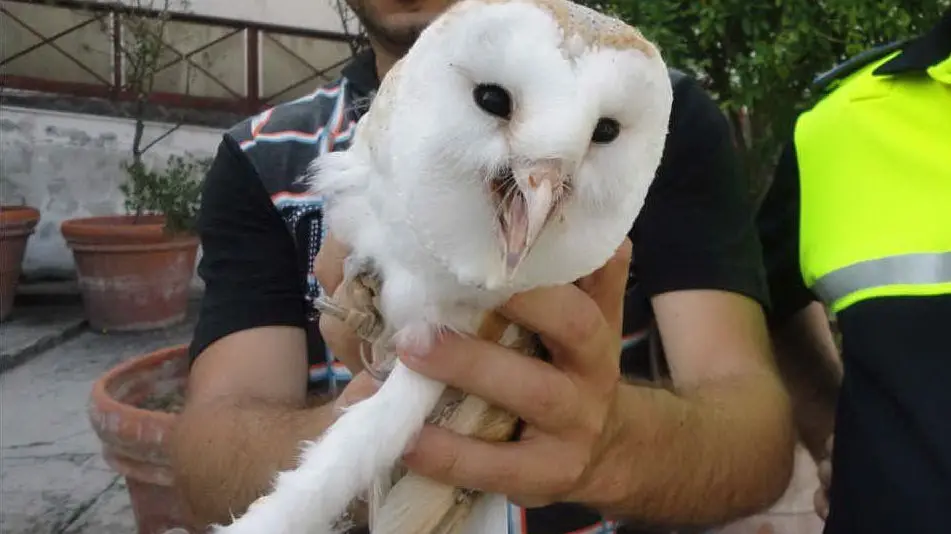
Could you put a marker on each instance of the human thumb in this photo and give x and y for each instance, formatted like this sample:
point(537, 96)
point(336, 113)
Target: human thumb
point(362, 386)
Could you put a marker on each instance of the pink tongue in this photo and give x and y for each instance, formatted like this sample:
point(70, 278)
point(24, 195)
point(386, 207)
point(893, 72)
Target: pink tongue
point(516, 229)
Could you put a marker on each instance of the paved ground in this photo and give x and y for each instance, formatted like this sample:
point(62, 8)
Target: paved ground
point(31, 330)
point(52, 477)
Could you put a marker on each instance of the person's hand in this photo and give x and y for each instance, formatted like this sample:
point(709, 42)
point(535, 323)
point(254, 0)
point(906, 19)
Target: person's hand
point(821, 498)
point(328, 269)
point(568, 405)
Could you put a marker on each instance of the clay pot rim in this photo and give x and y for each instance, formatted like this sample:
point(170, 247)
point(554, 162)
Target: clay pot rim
point(106, 403)
point(106, 229)
point(14, 214)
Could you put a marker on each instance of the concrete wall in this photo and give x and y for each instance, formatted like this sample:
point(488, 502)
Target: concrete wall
point(310, 14)
point(67, 165)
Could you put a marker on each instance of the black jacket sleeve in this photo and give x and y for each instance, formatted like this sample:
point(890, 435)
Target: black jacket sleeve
point(778, 224)
point(248, 258)
point(697, 229)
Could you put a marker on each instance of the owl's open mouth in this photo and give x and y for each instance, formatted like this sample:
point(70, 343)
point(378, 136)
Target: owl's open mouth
point(511, 212)
point(525, 199)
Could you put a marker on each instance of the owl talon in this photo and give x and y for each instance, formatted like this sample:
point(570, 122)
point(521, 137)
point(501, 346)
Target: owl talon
point(364, 324)
point(378, 370)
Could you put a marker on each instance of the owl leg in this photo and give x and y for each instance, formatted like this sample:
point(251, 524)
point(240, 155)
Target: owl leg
point(362, 286)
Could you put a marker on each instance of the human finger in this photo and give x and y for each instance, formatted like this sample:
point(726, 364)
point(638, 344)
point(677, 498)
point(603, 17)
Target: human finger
point(527, 387)
point(361, 387)
point(607, 285)
point(522, 468)
point(340, 339)
point(824, 471)
point(328, 265)
point(569, 323)
point(821, 503)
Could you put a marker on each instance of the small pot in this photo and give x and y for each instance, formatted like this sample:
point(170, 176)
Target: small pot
point(17, 224)
point(132, 274)
point(135, 438)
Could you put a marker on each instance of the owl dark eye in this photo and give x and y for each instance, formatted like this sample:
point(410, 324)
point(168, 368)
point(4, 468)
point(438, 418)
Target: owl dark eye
point(493, 99)
point(606, 131)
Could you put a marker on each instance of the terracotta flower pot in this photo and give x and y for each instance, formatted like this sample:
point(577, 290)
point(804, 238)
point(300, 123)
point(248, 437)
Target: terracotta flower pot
point(16, 225)
point(132, 275)
point(133, 408)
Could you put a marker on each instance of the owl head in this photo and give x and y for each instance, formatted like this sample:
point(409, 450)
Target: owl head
point(520, 137)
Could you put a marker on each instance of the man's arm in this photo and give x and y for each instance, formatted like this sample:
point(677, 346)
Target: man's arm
point(721, 443)
point(244, 419)
point(246, 411)
point(804, 345)
point(812, 372)
point(719, 446)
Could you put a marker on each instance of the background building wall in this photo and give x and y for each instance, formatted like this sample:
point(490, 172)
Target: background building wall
point(67, 165)
point(63, 100)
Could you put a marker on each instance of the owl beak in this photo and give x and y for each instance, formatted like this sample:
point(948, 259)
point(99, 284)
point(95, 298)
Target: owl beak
point(526, 211)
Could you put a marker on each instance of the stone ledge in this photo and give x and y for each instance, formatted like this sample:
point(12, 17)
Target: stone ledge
point(31, 330)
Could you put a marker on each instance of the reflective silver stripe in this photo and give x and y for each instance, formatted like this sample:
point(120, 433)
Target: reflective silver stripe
point(915, 269)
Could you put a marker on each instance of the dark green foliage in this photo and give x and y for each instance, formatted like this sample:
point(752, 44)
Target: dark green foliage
point(759, 58)
point(173, 191)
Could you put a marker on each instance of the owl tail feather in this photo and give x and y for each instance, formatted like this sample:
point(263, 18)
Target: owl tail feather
point(418, 504)
point(421, 506)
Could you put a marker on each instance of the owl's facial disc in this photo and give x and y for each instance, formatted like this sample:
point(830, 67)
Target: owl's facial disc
point(526, 196)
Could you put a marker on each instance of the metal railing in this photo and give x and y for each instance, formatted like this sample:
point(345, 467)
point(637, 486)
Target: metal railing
point(246, 99)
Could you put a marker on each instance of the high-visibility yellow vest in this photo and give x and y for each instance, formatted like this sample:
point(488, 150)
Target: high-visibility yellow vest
point(874, 160)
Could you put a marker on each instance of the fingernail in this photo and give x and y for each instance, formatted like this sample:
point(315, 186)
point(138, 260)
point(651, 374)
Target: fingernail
point(412, 351)
point(416, 351)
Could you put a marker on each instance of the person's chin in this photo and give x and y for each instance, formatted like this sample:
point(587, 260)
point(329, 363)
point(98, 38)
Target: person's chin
point(409, 20)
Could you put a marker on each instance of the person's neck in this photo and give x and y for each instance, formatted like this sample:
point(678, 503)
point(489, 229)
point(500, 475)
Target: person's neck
point(384, 59)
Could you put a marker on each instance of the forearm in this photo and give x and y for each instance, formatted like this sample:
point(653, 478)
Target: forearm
point(712, 454)
point(225, 455)
point(812, 372)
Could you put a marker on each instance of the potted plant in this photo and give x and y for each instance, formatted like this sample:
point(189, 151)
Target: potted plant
point(132, 409)
point(17, 223)
point(135, 270)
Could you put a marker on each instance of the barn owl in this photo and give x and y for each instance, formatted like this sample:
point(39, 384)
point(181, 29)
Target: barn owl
point(512, 147)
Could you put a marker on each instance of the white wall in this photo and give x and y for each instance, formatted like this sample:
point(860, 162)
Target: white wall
point(67, 165)
point(307, 14)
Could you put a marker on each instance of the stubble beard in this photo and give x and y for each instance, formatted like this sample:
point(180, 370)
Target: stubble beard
point(397, 34)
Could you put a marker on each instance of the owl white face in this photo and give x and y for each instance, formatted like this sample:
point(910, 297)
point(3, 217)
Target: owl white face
point(539, 147)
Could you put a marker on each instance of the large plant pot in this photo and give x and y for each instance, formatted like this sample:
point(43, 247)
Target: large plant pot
point(132, 275)
point(133, 408)
point(16, 225)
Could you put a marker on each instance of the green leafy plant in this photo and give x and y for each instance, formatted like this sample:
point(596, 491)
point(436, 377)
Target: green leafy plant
point(759, 59)
point(143, 48)
point(173, 191)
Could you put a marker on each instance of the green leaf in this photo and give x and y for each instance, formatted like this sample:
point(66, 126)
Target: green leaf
point(765, 55)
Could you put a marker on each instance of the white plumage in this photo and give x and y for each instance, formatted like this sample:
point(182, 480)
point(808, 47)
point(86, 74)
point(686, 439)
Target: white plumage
point(512, 147)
